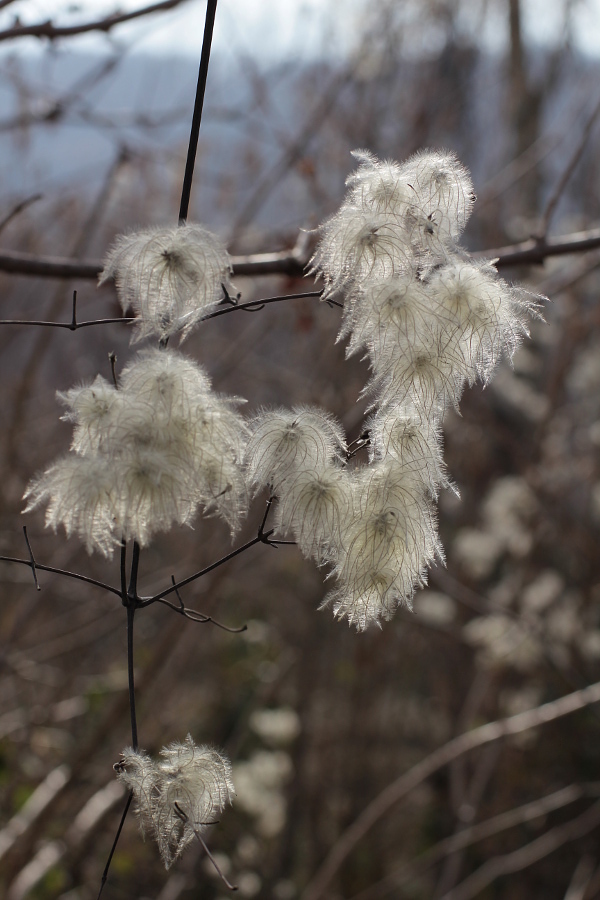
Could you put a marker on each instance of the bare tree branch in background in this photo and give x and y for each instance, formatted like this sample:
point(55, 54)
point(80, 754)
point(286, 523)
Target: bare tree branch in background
point(52, 32)
point(398, 789)
point(461, 840)
point(526, 856)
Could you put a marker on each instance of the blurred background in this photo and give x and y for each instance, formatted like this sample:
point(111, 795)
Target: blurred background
point(318, 720)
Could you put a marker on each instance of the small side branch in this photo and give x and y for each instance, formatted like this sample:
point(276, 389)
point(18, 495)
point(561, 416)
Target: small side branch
point(31, 560)
point(194, 615)
point(186, 820)
point(42, 568)
point(263, 537)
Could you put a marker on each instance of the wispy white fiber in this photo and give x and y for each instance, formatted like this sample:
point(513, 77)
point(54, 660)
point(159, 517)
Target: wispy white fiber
point(284, 442)
point(170, 277)
point(314, 506)
point(178, 795)
point(431, 320)
point(146, 456)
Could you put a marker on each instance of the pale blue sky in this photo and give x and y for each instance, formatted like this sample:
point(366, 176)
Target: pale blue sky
point(280, 28)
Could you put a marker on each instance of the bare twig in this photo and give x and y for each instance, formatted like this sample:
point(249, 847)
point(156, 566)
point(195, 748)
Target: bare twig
point(185, 818)
point(50, 31)
point(251, 306)
point(69, 325)
point(535, 251)
point(287, 262)
point(41, 568)
point(85, 824)
point(581, 878)
point(194, 615)
point(284, 262)
point(526, 856)
point(566, 175)
point(18, 208)
point(114, 843)
point(464, 743)
point(30, 812)
point(536, 809)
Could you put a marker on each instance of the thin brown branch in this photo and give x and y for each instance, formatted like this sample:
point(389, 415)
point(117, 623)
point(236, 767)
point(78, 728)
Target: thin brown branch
point(580, 881)
point(83, 827)
point(50, 31)
point(536, 250)
point(285, 262)
point(441, 757)
point(566, 175)
point(526, 856)
point(293, 264)
point(528, 812)
point(18, 208)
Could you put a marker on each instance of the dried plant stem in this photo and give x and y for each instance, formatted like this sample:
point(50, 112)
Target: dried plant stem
point(209, 22)
point(441, 757)
point(114, 844)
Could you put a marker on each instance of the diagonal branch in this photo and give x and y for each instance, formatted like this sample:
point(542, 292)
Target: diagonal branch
point(526, 856)
point(50, 31)
point(399, 788)
point(528, 812)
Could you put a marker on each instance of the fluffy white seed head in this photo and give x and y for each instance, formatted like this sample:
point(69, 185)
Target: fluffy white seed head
point(381, 186)
point(427, 373)
point(155, 491)
point(195, 787)
point(415, 441)
point(221, 485)
point(170, 277)
point(382, 312)
point(358, 244)
point(148, 455)
point(82, 495)
point(168, 381)
point(179, 794)
point(139, 773)
point(443, 191)
point(387, 545)
point(314, 506)
point(483, 309)
point(93, 409)
point(285, 442)
point(373, 595)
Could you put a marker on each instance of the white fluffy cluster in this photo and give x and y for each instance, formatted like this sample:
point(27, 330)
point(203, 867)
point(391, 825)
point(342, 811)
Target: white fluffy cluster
point(178, 795)
point(431, 320)
point(170, 277)
point(145, 456)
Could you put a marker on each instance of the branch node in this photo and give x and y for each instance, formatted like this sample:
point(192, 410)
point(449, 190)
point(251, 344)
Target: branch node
point(32, 559)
